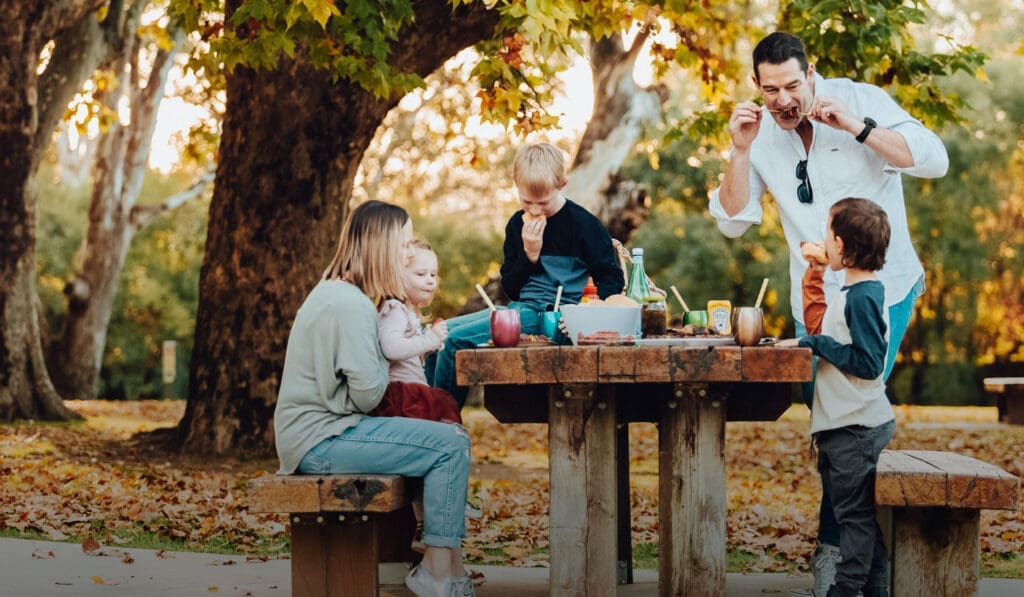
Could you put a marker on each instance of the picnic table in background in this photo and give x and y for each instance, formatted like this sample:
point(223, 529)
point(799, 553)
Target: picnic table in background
point(584, 393)
point(1009, 397)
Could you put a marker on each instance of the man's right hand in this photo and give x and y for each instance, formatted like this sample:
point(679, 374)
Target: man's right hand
point(744, 123)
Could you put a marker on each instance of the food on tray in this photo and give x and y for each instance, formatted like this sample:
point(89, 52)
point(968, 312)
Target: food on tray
point(604, 337)
point(814, 252)
point(691, 330)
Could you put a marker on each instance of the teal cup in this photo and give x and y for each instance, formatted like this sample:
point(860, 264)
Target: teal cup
point(549, 324)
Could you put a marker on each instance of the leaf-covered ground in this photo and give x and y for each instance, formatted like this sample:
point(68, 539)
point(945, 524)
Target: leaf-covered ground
point(78, 481)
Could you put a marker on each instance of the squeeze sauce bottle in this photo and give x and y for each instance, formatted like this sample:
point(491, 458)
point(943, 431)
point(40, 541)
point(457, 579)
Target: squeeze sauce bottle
point(589, 291)
point(720, 316)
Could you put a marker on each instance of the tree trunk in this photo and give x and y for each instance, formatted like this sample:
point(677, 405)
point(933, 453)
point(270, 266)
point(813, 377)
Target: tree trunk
point(120, 166)
point(621, 110)
point(25, 388)
point(291, 145)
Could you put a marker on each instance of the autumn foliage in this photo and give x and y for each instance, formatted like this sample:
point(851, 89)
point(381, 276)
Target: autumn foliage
point(94, 483)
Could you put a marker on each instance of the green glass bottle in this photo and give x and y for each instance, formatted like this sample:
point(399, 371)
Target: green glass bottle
point(637, 289)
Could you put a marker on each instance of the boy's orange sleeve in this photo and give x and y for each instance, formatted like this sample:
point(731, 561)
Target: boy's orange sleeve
point(813, 285)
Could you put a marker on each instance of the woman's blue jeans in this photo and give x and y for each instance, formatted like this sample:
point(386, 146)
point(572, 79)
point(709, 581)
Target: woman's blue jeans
point(438, 452)
point(899, 321)
point(470, 331)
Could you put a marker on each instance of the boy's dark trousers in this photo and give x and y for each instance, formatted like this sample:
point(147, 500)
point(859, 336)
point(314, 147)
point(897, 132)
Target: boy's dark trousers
point(847, 460)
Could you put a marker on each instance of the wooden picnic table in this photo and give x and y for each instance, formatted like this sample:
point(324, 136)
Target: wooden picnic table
point(583, 393)
point(1009, 399)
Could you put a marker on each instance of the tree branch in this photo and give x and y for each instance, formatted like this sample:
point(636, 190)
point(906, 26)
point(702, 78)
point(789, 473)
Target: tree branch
point(78, 51)
point(143, 215)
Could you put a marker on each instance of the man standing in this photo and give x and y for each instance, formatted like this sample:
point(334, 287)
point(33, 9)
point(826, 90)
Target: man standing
point(814, 142)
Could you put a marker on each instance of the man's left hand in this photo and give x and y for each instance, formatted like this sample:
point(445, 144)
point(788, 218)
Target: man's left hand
point(833, 112)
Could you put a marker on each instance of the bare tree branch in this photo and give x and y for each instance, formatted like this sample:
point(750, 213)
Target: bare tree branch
point(143, 215)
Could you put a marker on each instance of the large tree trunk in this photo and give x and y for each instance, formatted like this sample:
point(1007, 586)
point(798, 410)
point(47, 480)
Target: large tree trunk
point(291, 144)
point(621, 110)
point(26, 108)
point(120, 166)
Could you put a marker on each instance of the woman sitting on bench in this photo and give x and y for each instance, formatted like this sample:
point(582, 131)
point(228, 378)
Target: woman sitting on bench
point(334, 372)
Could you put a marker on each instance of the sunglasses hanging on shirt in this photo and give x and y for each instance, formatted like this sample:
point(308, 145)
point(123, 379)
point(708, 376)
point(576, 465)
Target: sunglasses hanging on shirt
point(803, 192)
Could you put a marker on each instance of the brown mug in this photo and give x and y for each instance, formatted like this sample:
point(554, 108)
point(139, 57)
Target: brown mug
point(748, 324)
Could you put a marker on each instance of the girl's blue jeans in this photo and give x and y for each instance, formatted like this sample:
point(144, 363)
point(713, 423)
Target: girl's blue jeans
point(469, 331)
point(899, 321)
point(438, 452)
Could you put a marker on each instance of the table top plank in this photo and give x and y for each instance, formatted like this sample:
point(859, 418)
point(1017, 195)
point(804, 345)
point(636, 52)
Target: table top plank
point(631, 364)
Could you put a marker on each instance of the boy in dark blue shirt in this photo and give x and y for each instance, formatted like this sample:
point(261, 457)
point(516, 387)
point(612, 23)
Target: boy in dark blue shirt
point(551, 242)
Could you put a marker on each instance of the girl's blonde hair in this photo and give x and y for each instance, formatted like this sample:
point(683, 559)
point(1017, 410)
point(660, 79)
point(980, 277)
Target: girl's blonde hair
point(370, 252)
point(418, 244)
point(539, 169)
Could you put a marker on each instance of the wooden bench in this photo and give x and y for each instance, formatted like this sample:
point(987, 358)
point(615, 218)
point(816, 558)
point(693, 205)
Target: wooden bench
point(1009, 397)
point(342, 527)
point(929, 508)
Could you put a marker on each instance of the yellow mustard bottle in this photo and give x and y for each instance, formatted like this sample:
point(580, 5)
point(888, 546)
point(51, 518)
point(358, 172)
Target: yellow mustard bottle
point(720, 316)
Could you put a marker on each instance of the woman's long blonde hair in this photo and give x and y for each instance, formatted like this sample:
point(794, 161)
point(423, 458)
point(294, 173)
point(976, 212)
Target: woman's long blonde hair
point(371, 253)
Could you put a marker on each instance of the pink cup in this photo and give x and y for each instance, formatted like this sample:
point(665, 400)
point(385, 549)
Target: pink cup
point(505, 327)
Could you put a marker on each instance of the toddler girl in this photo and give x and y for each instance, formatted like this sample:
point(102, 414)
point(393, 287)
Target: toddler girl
point(404, 342)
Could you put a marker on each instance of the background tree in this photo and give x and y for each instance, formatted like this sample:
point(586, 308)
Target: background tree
point(136, 74)
point(273, 219)
point(77, 35)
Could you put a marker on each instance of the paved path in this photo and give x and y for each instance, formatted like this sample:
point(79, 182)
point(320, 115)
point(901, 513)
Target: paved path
point(70, 572)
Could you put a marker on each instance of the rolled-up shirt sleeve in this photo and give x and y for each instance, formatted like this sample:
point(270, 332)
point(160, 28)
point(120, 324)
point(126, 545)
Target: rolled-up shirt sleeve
point(733, 226)
point(926, 148)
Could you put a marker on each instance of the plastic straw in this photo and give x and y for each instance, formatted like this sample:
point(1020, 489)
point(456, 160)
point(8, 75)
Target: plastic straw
point(487, 299)
point(558, 297)
point(760, 295)
point(680, 299)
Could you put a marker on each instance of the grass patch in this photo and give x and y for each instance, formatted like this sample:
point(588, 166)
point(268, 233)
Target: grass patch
point(140, 538)
point(1002, 565)
point(645, 557)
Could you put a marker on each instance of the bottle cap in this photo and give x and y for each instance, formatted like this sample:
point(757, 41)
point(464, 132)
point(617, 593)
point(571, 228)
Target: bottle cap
point(638, 252)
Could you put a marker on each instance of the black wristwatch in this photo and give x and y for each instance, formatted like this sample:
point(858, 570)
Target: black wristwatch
point(869, 123)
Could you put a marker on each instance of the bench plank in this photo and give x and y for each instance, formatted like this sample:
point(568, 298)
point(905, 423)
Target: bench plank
point(929, 478)
point(902, 480)
point(327, 493)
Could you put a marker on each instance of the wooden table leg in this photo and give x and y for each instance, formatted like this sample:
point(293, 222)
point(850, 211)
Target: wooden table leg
point(624, 573)
point(691, 492)
point(581, 434)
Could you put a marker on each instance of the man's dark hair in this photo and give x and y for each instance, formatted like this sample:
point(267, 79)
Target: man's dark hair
point(777, 48)
point(864, 228)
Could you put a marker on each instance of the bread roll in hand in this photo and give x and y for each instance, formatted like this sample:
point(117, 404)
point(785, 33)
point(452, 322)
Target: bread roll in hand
point(814, 253)
point(527, 217)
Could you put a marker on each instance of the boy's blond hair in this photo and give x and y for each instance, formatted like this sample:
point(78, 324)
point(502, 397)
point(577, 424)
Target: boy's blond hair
point(539, 169)
point(370, 251)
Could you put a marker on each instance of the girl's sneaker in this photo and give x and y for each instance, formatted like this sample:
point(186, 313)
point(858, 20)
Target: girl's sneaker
point(417, 539)
point(473, 510)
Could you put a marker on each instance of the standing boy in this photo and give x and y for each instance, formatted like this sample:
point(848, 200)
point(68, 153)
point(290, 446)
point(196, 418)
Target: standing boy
point(852, 420)
point(551, 242)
